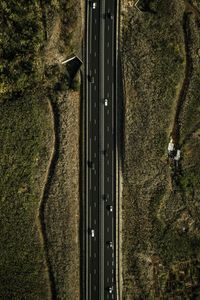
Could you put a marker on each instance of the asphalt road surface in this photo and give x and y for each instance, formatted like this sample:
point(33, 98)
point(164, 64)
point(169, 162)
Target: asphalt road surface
point(100, 66)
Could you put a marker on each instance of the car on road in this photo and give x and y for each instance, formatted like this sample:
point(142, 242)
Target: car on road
point(104, 152)
point(105, 197)
point(92, 232)
point(106, 102)
point(109, 207)
point(110, 244)
point(91, 78)
point(94, 5)
point(110, 289)
point(109, 15)
point(91, 165)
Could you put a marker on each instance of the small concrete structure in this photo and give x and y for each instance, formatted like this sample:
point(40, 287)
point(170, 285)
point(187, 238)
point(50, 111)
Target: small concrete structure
point(170, 147)
point(67, 60)
point(73, 65)
point(178, 155)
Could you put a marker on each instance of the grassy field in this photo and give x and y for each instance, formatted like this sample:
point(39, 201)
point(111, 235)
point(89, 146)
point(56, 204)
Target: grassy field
point(161, 244)
point(26, 142)
point(62, 201)
point(35, 37)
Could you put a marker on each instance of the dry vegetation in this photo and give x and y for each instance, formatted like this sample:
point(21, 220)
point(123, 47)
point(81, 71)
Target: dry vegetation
point(62, 207)
point(161, 242)
point(39, 120)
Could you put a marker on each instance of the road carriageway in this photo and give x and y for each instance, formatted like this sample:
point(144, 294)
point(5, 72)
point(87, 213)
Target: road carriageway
point(100, 151)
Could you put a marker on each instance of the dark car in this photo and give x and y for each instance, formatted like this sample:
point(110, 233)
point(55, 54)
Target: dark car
point(109, 15)
point(91, 78)
point(105, 197)
point(109, 207)
point(91, 165)
point(110, 244)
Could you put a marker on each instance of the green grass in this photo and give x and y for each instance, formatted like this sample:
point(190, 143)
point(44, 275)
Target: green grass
point(25, 138)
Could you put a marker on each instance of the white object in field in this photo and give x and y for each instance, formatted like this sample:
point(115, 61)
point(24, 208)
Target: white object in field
point(178, 155)
point(94, 5)
point(106, 102)
point(170, 146)
point(92, 232)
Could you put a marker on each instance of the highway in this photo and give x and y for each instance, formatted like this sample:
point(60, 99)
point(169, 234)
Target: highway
point(100, 151)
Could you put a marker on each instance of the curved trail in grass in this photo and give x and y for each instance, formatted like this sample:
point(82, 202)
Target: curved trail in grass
point(50, 175)
point(183, 92)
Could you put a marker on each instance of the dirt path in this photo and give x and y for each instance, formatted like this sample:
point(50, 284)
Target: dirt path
point(50, 172)
point(183, 92)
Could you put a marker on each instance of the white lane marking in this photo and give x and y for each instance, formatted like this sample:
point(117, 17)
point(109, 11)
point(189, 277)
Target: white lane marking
point(95, 205)
point(95, 21)
point(95, 287)
point(95, 188)
point(95, 138)
point(108, 162)
point(108, 145)
point(95, 37)
point(90, 104)
point(95, 71)
point(90, 214)
point(95, 255)
point(108, 44)
point(107, 279)
point(95, 221)
point(108, 111)
point(95, 87)
point(108, 128)
point(90, 40)
point(108, 27)
point(108, 94)
point(95, 155)
point(108, 61)
point(113, 105)
point(108, 229)
point(108, 263)
point(95, 104)
point(95, 121)
point(90, 176)
point(95, 271)
point(108, 77)
point(108, 179)
point(90, 247)
point(95, 54)
point(90, 279)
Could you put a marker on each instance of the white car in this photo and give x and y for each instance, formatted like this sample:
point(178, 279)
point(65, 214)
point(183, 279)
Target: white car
point(110, 290)
point(106, 102)
point(92, 232)
point(110, 208)
point(94, 5)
